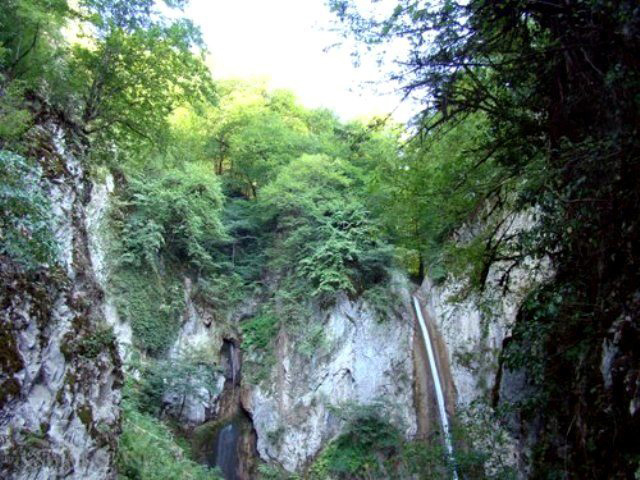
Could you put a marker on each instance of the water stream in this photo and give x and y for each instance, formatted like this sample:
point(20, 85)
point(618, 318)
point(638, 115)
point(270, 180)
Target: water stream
point(231, 357)
point(226, 451)
point(438, 386)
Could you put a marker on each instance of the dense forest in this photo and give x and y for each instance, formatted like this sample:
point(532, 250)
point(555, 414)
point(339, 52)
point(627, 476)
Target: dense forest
point(527, 106)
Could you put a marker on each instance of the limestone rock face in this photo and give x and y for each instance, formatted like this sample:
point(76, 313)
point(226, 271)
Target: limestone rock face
point(96, 219)
point(199, 333)
point(60, 374)
point(474, 326)
point(367, 360)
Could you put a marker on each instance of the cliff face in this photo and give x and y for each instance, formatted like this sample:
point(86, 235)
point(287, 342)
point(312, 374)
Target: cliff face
point(66, 342)
point(471, 330)
point(367, 360)
point(60, 371)
point(98, 238)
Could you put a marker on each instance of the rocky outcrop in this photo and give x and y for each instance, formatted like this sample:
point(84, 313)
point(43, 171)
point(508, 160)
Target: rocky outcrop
point(472, 327)
point(60, 372)
point(199, 334)
point(98, 243)
point(367, 360)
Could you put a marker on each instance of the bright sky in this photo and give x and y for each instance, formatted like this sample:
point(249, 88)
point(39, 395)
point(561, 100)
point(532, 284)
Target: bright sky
point(284, 41)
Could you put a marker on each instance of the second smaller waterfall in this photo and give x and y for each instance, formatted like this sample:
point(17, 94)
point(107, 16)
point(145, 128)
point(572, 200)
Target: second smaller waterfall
point(231, 362)
point(226, 451)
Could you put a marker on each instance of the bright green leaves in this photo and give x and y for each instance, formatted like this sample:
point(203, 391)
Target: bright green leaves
point(29, 36)
point(31, 59)
point(15, 118)
point(311, 182)
point(116, 67)
point(174, 216)
point(259, 331)
point(432, 189)
point(328, 238)
point(139, 70)
point(165, 223)
point(299, 218)
point(148, 450)
point(255, 133)
point(26, 224)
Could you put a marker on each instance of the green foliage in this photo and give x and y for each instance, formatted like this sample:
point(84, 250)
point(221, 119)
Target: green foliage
point(139, 66)
point(168, 225)
point(183, 375)
point(15, 118)
point(439, 183)
point(147, 450)
point(268, 472)
point(172, 216)
point(30, 44)
point(254, 134)
point(331, 241)
point(258, 339)
point(260, 331)
point(26, 228)
point(360, 451)
point(370, 447)
point(152, 304)
point(117, 68)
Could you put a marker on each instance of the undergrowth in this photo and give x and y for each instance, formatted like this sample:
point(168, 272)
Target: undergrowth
point(26, 223)
point(372, 446)
point(149, 451)
point(152, 304)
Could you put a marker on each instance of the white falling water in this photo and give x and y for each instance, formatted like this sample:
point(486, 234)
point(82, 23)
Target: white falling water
point(227, 451)
point(436, 381)
point(232, 361)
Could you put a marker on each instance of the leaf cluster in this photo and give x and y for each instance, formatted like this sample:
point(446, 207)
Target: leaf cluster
point(26, 223)
point(327, 238)
point(170, 216)
point(148, 450)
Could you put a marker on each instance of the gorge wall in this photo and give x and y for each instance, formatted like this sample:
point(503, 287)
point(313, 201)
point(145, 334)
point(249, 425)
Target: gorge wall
point(472, 328)
point(367, 360)
point(61, 373)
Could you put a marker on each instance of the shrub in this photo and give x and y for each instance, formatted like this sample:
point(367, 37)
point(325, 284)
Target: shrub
point(327, 240)
point(174, 216)
point(153, 304)
point(361, 450)
point(147, 450)
point(26, 225)
point(258, 332)
point(184, 375)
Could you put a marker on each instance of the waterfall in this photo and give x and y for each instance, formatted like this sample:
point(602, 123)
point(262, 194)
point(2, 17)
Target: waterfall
point(438, 386)
point(231, 355)
point(226, 452)
point(235, 362)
